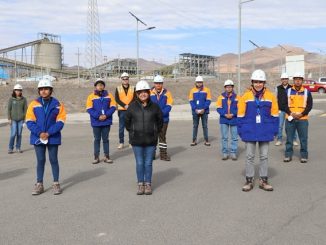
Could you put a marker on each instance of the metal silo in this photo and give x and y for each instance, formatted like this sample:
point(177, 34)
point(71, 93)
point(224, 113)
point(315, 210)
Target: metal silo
point(48, 53)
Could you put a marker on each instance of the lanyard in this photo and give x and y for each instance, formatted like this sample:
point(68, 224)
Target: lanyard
point(45, 107)
point(158, 95)
point(258, 105)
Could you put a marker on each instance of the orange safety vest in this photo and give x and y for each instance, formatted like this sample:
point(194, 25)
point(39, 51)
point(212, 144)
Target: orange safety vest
point(297, 100)
point(125, 98)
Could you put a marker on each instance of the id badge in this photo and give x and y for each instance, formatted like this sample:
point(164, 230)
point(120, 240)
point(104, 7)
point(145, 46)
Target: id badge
point(103, 112)
point(258, 119)
point(197, 102)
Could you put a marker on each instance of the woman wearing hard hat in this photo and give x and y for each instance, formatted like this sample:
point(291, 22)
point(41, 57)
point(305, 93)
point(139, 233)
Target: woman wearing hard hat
point(144, 121)
point(257, 124)
point(45, 119)
point(17, 107)
point(227, 107)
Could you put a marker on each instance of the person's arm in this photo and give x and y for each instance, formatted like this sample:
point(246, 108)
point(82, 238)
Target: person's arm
point(117, 98)
point(159, 119)
point(208, 99)
point(25, 108)
point(309, 105)
point(191, 100)
point(167, 108)
point(219, 106)
point(128, 119)
point(112, 107)
point(31, 120)
point(9, 108)
point(60, 121)
point(89, 108)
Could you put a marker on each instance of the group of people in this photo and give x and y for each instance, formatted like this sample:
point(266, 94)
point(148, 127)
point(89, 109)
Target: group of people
point(257, 117)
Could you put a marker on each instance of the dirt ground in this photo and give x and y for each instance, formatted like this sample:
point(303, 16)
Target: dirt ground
point(74, 94)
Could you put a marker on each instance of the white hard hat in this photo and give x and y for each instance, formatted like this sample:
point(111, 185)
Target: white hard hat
point(199, 79)
point(142, 85)
point(228, 83)
point(298, 75)
point(18, 87)
point(44, 83)
point(258, 75)
point(158, 79)
point(284, 75)
point(125, 74)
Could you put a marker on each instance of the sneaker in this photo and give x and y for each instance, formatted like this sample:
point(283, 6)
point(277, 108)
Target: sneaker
point(278, 143)
point(107, 159)
point(249, 185)
point(303, 160)
point(264, 185)
point(10, 151)
point(148, 189)
point(38, 189)
point(96, 160)
point(207, 143)
point(56, 189)
point(225, 157)
point(141, 189)
point(287, 159)
point(120, 146)
point(295, 143)
point(193, 143)
point(19, 151)
point(234, 157)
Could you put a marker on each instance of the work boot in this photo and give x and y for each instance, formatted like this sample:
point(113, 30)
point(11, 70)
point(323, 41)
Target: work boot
point(10, 151)
point(38, 189)
point(148, 189)
point(120, 146)
point(164, 155)
point(19, 151)
point(287, 159)
point(234, 157)
point(96, 160)
point(56, 188)
point(295, 143)
point(303, 160)
point(141, 188)
point(264, 185)
point(249, 185)
point(278, 143)
point(107, 159)
point(225, 157)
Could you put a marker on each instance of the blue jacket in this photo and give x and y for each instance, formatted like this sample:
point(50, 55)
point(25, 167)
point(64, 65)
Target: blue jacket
point(248, 108)
point(200, 99)
point(41, 120)
point(223, 102)
point(165, 101)
point(98, 105)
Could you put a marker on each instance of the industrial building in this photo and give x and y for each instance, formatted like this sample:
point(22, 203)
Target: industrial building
point(196, 64)
point(117, 66)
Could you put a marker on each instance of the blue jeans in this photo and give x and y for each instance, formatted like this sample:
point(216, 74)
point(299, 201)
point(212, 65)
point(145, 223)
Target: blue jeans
point(301, 126)
point(121, 115)
point(53, 156)
point(144, 160)
point(280, 127)
point(195, 119)
point(16, 130)
point(225, 128)
point(101, 132)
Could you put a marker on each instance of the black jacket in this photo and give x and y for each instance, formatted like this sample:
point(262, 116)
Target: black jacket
point(282, 97)
point(143, 123)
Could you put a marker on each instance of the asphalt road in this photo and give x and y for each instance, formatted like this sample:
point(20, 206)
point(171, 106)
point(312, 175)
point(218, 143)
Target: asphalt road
point(197, 198)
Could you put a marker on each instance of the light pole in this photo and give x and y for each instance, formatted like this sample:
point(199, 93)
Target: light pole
point(149, 28)
point(254, 54)
point(239, 44)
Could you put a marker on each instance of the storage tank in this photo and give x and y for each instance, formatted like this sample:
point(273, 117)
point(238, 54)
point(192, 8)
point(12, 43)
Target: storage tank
point(48, 54)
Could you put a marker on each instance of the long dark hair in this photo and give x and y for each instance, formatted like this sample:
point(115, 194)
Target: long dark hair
point(14, 94)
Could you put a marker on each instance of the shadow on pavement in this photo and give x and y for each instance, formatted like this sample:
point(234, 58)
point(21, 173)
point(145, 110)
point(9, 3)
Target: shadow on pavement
point(12, 174)
point(162, 177)
point(82, 176)
point(121, 153)
point(175, 150)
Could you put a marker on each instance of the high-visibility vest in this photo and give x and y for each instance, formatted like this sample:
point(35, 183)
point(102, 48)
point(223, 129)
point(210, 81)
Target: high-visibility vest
point(125, 98)
point(297, 100)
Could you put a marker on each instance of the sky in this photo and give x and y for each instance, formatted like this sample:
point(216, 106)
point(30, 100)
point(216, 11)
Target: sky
point(196, 26)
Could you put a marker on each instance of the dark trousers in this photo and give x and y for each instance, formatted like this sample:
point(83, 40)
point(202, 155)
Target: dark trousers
point(121, 115)
point(41, 159)
point(195, 119)
point(101, 133)
point(301, 126)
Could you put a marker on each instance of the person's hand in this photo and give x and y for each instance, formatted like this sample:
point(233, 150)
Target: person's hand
point(44, 136)
point(126, 107)
point(197, 111)
point(202, 111)
point(9, 121)
point(228, 116)
point(102, 117)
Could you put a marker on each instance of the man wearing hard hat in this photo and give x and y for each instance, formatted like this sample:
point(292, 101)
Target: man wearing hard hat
point(163, 98)
point(297, 107)
point(124, 95)
point(257, 124)
point(281, 92)
point(227, 107)
point(200, 100)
